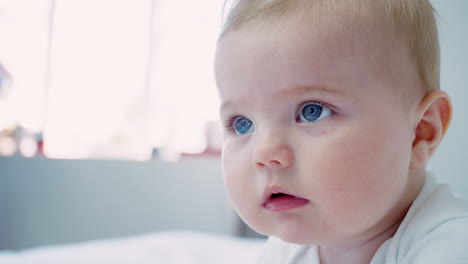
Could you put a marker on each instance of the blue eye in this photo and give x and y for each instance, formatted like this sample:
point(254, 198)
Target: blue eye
point(313, 112)
point(243, 126)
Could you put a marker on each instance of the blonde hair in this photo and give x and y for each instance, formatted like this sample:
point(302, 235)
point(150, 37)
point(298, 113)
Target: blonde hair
point(414, 20)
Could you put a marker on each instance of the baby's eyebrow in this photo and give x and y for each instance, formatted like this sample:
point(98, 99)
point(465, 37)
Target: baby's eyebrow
point(225, 106)
point(288, 92)
point(307, 88)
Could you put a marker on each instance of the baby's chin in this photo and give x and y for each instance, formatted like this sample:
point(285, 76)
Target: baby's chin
point(294, 232)
point(291, 235)
point(297, 239)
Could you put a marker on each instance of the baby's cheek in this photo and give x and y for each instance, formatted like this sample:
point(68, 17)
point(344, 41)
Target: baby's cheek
point(236, 180)
point(232, 181)
point(365, 177)
point(349, 172)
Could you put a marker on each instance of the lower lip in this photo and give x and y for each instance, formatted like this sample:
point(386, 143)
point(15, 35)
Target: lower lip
point(285, 203)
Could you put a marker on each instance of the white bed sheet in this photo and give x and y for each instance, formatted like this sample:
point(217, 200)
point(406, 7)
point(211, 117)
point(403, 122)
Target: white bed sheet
point(165, 247)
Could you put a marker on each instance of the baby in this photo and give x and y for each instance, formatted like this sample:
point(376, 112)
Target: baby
point(332, 109)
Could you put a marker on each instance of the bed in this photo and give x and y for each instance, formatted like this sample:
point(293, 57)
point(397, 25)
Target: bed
point(162, 247)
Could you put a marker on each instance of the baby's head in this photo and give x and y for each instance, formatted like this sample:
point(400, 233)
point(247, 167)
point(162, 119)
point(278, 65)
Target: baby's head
point(332, 109)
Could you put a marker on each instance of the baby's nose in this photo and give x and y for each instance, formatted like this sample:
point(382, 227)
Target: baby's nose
point(273, 152)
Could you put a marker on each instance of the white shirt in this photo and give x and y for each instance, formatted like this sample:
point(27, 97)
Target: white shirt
point(434, 231)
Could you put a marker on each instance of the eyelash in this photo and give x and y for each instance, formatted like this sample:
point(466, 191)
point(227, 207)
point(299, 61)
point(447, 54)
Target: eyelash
point(321, 103)
point(229, 123)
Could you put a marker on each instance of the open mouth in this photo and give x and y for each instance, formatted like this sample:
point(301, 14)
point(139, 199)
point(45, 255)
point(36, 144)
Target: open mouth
point(280, 201)
point(278, 195)
point(281, 196)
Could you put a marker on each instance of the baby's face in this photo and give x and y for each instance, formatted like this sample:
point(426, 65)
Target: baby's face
point(319, 119)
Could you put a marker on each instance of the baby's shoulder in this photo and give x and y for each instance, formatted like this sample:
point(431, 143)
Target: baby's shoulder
point(435, 229)
point(446, 243)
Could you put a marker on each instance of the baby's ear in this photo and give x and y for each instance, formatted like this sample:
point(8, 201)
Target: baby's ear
point(433, 118)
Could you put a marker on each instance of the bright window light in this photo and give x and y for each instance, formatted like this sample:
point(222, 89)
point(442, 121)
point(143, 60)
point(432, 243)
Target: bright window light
point(184, 97)
point(110, 79)
point(98, 85)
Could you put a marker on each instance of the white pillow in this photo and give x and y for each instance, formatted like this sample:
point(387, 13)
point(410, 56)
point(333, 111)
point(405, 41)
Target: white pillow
point(165, 247)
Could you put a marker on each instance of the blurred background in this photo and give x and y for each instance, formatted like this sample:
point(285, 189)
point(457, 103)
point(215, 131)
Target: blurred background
point(109, 121)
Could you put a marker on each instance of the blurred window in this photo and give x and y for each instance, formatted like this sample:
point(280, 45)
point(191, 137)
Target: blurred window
point(108, 79)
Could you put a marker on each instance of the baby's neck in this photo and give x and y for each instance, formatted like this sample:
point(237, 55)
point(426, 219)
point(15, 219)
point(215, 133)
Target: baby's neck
point(358, 254)
point(363, 250)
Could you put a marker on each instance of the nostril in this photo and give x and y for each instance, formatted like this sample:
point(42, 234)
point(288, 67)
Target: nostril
point(272, 156)
point(272, 163)
point(275, 163)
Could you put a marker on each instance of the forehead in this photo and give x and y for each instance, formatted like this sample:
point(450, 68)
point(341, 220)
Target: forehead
point(291, 54)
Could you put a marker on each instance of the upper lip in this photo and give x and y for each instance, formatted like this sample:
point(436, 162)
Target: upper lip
point(275, 189)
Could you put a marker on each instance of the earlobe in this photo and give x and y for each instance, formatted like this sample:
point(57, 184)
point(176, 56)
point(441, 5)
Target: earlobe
point(433, 119)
